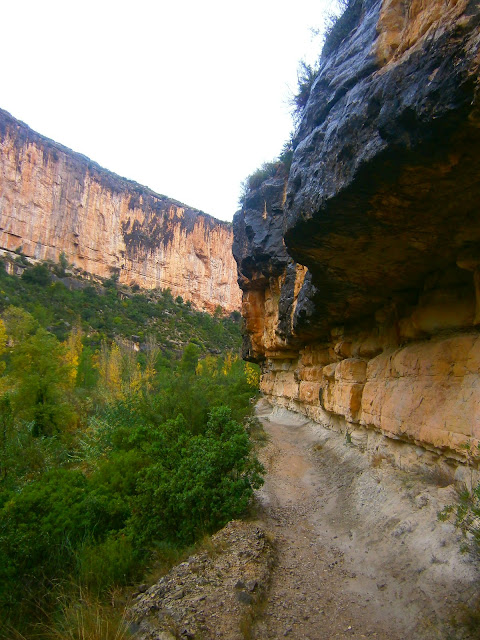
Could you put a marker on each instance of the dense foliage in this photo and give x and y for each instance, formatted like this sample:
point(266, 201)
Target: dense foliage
point(105, 312)
point(110, 449)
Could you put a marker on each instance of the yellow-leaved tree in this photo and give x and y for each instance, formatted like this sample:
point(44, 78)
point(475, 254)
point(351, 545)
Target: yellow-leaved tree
point(252, 373)
point(121, 374)
point(73, 350)
point(109, 365)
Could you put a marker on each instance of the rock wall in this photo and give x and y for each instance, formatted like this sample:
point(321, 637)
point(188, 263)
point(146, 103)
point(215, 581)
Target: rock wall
point(53, 200)
point(360, 268)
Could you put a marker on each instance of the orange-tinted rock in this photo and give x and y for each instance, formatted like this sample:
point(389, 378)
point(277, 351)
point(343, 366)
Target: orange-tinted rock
point(308, 392)
point(53, 200)
point(427, 392)
point(351, 370)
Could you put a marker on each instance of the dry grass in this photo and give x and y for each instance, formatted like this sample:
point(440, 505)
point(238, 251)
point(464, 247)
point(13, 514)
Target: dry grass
point(253, 612)
point(166, 557)
point(78, 616)
point(86, 618)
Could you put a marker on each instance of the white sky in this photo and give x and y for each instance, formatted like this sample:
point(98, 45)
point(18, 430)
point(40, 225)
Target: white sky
point(185, 97)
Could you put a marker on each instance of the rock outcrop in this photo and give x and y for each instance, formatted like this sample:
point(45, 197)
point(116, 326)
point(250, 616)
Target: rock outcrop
point(361, 273)
point(53, 200)
point(214, 594)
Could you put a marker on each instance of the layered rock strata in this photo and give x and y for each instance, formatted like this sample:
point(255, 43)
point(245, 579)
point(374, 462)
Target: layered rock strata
point(360, 271)
point(53, 200)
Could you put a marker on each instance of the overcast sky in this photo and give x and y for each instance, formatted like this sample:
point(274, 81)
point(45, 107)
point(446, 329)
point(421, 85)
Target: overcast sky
point(186, 97)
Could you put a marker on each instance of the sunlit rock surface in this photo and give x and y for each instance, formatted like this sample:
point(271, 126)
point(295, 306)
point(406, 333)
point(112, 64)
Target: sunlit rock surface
point(361, 289)
point(53, 200)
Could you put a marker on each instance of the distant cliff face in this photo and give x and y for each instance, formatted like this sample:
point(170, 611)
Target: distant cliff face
point(361, 274)
point(53, 200)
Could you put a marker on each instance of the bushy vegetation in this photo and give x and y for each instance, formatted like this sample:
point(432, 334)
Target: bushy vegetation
point(109, 454)
point(341, 24)
point(109, 311)
point(278, 167)
point(465, 515)
point(254, 180)
point(306, 75)
point(338, 25)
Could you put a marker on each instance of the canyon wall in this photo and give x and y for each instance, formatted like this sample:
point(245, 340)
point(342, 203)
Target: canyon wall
point(53, 200)
point(360, 264)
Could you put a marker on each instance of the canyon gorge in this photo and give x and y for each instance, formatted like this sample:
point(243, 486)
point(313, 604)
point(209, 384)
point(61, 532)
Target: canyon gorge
point(54, 201)
point(360, 263)
point(355, 261)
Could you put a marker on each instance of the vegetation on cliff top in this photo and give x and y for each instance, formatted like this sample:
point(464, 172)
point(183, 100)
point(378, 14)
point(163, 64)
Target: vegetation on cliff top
point(277, 168)
point(114, 452)
point(339, 24)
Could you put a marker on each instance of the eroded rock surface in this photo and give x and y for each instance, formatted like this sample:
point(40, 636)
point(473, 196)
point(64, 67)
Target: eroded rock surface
point(53, 200)
point(364, 312)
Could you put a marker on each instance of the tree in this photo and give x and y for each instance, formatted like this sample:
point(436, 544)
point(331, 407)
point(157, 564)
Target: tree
point(41, 379)
point(189, 361)
point(19, 324)
point(39, 274)
point(62, 266)
point(73, 352)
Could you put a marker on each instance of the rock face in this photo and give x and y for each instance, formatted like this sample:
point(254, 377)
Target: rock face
point(361, 275)
point(53, 200)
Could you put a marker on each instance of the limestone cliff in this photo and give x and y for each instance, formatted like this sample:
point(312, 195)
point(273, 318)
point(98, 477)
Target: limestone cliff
point(53, 200)
point(361, 270)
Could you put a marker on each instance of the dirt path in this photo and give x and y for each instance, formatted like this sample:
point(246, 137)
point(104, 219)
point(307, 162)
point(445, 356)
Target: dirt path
point(361, 553)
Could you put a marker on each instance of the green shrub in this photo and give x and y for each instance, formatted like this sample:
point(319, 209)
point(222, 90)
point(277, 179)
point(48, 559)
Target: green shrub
point(466, 516)
point(39, 529)
point(62, 266)
point(197, 484)
point(286, 155)
point(341, 26)
point(111, 562)
point(306, 75)
point(267, 170)
point(41, 377)
point(258, 177)
point(39, 274)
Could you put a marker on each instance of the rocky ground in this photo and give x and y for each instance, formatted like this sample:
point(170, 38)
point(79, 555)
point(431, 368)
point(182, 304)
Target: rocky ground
point(358, 552)
point(361, 553)
point(214, 594)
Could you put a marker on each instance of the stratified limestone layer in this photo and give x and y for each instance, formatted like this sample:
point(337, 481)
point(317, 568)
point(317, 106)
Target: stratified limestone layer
point(360, 271)
point(426, 392)
point(53, 200)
